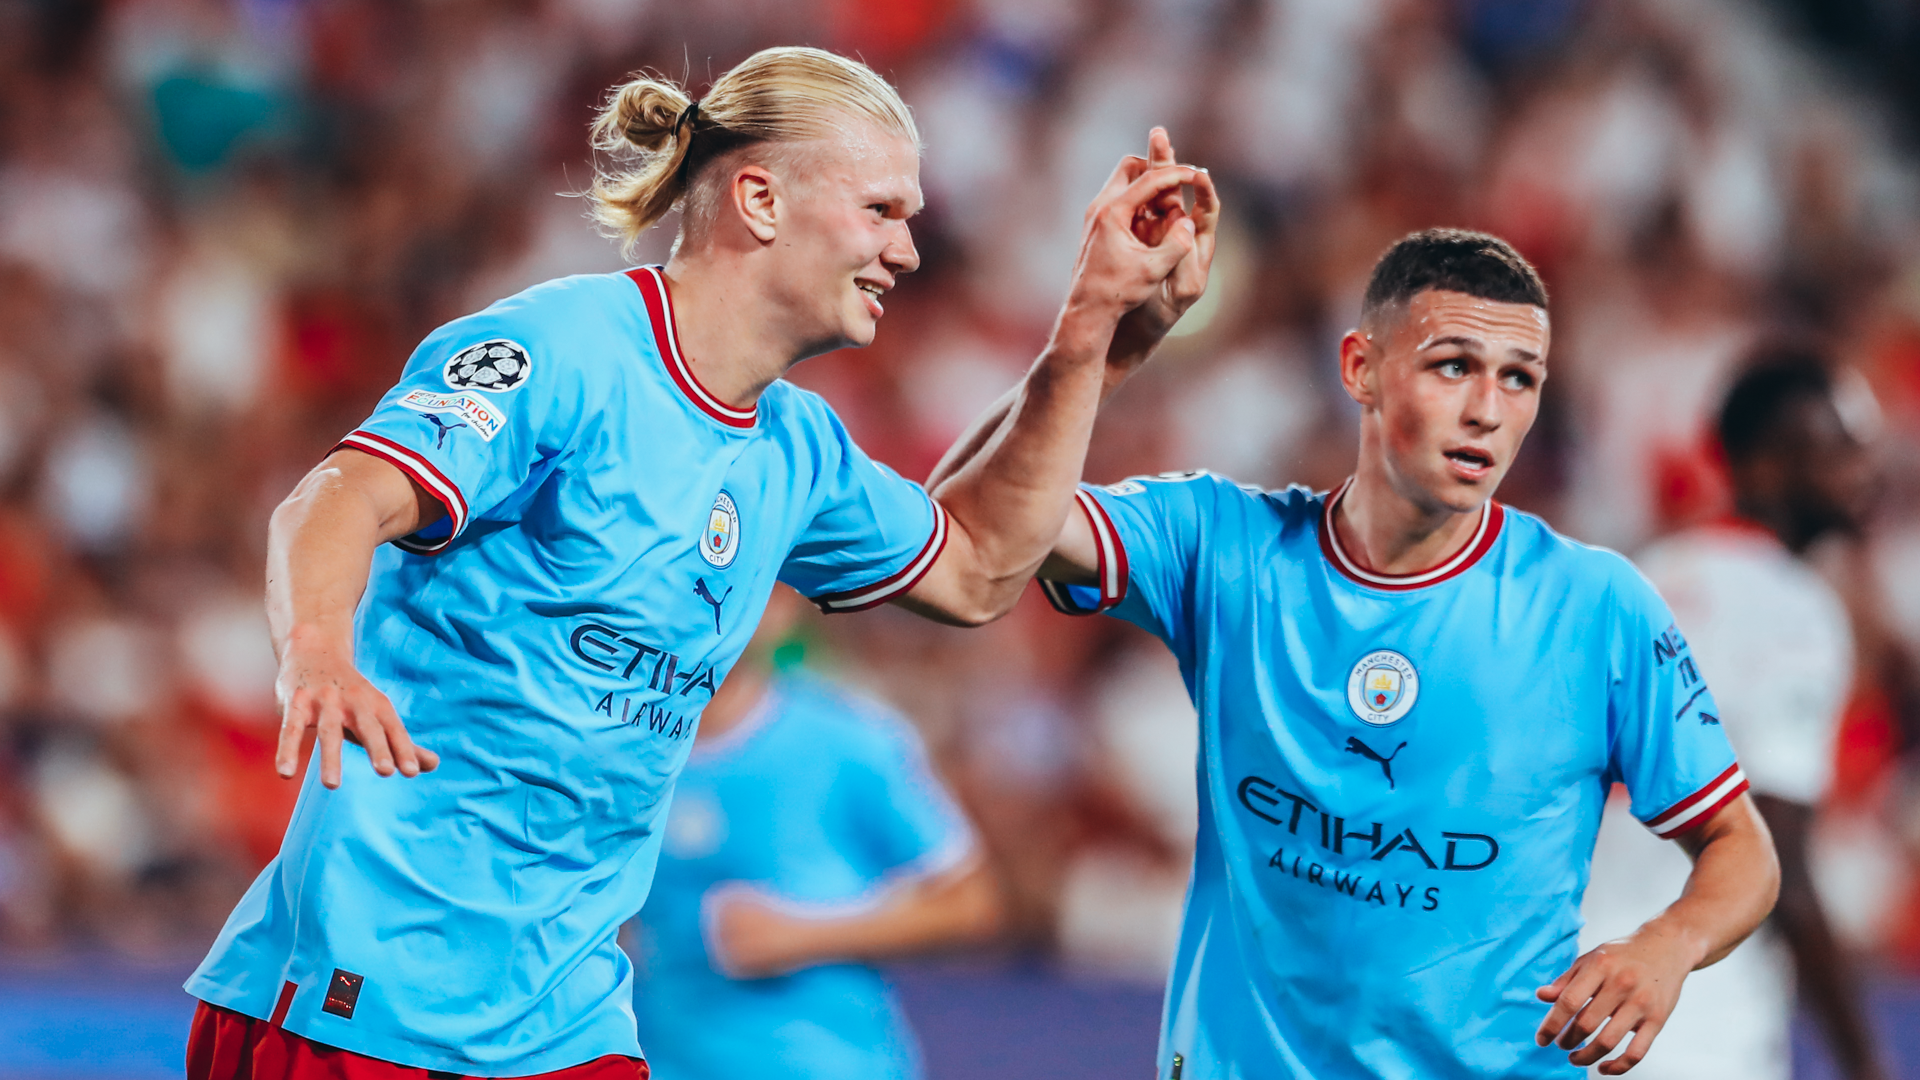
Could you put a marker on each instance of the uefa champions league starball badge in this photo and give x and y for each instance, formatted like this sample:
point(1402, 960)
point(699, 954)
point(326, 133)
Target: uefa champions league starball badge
point(1382, 687)
point(721, 542)
point(493, 366)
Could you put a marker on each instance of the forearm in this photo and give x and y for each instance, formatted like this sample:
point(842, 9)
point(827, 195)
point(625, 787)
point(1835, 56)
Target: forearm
point(1735, 881)
point(956, 909)
point(1010, 495)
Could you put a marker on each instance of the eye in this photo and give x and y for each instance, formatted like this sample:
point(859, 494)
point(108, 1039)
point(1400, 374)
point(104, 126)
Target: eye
point(1452, 369)
point(879, 208)
point(1517, 380)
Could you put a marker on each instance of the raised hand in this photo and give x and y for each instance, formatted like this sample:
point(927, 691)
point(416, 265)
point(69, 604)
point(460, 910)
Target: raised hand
point(1142, 329)
point(320, 690)
point(1136, 234)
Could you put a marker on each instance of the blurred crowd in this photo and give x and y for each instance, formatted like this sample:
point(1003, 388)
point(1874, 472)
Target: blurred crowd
point(225, 223)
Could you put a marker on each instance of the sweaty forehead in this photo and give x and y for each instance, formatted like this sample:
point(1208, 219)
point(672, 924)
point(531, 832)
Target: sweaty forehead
point(1438, 315)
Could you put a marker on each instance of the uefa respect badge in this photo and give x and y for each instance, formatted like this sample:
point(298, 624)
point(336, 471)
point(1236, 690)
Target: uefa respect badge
point(1382, 687)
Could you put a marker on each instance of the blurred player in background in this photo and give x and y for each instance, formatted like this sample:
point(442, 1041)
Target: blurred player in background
point(1773, 639)
point(808, 839)
point(1412, 703)
point(573, 508)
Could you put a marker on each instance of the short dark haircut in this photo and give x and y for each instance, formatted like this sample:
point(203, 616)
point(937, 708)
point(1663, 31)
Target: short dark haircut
point(1455, 260)
point(1774, 378)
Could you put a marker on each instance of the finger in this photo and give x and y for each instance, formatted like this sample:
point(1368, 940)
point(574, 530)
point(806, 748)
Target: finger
point(429, 760)
point(1605, 1001)
point(293, 729)
point(328, 727)
point(1168, 253)
point(1574, 992)
point(372, 734)
point(1130, 169)
point(1206, 204)
point(1612, 1031)
point(1636, 1050)
point(1159, 148)
point(1147, 187)
point(406, 756)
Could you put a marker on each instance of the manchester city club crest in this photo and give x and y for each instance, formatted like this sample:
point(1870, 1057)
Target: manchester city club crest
point(1382, 687)
point(721, 542)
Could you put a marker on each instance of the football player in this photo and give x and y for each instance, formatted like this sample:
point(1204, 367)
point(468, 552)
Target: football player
point(549, 543)
point(1412, 703)
point(808, 839)
point(1775, 639)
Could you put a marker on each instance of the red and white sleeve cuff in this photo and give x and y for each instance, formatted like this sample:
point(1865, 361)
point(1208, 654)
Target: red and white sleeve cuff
point(1110, 563)
point(422, 472)
point(897, 584)
point(1698, 808)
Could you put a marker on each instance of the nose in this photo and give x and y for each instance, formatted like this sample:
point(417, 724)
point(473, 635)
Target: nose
point(900, 256)
point(1481, 410)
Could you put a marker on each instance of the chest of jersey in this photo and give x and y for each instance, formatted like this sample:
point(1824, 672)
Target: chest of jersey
point(1402, 750)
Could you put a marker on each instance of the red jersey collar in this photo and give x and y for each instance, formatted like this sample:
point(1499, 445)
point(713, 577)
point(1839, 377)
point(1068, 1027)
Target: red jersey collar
point(1492, 517)
point(653, 289)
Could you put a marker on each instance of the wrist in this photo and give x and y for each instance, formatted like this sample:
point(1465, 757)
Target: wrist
point(1086, 327)
point(318, 638)
point(1677, 936)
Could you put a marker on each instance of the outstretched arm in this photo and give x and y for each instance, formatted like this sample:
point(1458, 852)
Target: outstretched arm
point(320, 546)
point(752, 936)
point(1632, 984)
point(1130, 344)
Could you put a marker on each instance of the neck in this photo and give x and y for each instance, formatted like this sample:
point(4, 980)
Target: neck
point(1794, 534)
point(1389, 533)
point(727, 333)
point(736, 699)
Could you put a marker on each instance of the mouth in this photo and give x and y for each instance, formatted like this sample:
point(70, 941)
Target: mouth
point(1469, 463)
point(873, 291)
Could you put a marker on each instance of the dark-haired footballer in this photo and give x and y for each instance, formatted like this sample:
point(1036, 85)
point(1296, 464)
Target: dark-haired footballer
point(1412, 703)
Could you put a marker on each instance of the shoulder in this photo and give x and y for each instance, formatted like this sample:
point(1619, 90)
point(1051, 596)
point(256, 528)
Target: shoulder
point(1210, 493)
point(557, 325)
point(1574, 568)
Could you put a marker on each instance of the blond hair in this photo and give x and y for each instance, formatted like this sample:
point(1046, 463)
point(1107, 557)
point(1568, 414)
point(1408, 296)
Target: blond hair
point(781, 95)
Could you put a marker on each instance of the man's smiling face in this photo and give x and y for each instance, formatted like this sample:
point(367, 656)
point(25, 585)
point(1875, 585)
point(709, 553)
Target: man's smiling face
point(1453, 382)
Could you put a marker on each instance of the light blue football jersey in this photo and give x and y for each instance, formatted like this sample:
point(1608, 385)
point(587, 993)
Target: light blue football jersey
point(613, 533)
point(825, 802)
point(1400, 778)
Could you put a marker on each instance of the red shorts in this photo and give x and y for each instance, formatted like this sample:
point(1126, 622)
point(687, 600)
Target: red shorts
point(226, 1045)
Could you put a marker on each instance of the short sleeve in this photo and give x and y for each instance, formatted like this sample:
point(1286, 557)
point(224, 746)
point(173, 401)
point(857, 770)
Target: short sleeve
point(872, 535)
point(1667, 745)
point(480, 413)
point(908, 824)
point(1146, 538)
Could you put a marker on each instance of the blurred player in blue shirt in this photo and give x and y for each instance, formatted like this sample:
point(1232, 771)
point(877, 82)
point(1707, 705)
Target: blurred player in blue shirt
point(808, 838)
point(547, 546)
point(1412, 703)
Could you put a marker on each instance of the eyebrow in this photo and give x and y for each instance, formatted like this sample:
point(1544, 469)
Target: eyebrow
point(1475, 345)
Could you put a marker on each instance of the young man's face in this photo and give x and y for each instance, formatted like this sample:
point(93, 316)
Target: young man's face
point(1451, 386)
point(845, 232)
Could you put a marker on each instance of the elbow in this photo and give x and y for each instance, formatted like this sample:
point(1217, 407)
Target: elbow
point(977, 907)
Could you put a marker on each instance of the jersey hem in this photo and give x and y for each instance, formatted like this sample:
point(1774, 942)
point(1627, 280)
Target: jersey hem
point(420, 471)
point(666, 338)
point(899, 582)
point(1110, 563)
point(1698, 808)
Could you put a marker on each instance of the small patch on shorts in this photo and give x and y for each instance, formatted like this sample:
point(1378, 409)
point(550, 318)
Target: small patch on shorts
point(343, 993)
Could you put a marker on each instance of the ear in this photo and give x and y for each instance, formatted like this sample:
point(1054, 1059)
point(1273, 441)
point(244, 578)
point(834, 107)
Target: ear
point(755, 200)
point(1359, 356)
